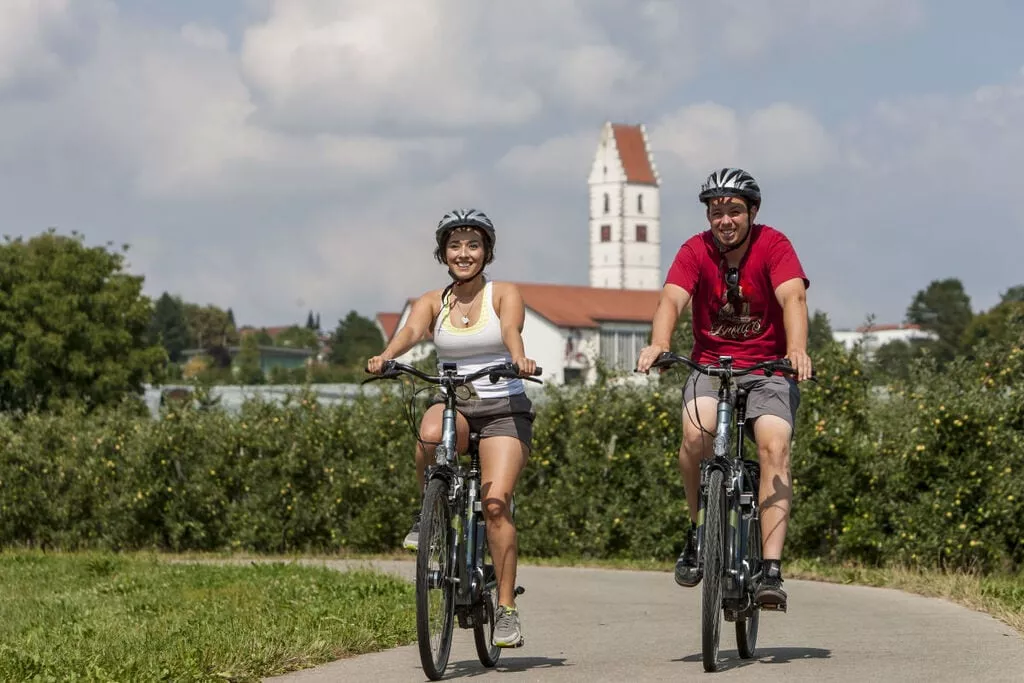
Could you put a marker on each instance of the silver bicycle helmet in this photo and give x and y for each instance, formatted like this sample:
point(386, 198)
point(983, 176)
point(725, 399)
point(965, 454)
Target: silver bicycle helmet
point(731, 182)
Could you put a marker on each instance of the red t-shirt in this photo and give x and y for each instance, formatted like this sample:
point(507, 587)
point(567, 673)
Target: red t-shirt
point(750, 327)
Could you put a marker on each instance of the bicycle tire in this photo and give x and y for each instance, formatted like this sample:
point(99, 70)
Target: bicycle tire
point(483, 618)
point(746, 629)
point(436, 533)
point(711, 594)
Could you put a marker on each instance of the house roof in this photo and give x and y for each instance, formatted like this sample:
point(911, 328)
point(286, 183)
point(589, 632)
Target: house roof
point(572, 306)
point(631, 141)
point(389, 323)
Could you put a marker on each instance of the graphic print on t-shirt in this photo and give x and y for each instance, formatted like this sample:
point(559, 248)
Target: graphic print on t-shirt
point(732, 320)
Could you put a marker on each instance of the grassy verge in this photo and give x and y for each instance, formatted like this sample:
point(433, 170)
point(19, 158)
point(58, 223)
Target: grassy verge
point(109, 617)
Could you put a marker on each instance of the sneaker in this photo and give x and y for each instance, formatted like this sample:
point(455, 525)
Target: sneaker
point(769, 593)
point(507, 631)
point(412, 539)
point(688, 572)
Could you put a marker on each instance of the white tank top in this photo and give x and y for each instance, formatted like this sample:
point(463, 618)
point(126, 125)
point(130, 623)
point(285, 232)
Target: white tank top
point(476, 347)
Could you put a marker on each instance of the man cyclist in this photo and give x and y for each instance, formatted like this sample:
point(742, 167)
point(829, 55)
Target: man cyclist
point(748, 291)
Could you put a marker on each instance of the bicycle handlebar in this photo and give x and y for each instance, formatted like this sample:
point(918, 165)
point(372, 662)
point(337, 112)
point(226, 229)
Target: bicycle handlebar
point(392, 369)
point(782, 365)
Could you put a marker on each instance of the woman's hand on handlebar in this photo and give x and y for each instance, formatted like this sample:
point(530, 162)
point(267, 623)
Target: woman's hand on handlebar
point(375, 365)
point(527, 366)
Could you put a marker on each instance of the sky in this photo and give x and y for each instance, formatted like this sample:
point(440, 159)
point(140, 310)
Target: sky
point(281, 156)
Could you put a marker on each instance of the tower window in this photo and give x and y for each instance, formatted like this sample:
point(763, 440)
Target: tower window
point(607, 203)
point(639, 203)
point(641, 233)
point(606, 233)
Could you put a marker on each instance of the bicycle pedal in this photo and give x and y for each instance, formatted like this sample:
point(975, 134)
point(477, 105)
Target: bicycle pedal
point(780, 607)
point(520, 590)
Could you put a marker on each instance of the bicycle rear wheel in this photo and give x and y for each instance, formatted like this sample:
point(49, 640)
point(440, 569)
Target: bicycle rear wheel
point(711, 595)
point(746, 629)
point(483, 618)
point(435, 590)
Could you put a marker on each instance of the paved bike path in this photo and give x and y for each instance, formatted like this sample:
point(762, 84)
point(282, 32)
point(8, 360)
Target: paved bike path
point(615, 625)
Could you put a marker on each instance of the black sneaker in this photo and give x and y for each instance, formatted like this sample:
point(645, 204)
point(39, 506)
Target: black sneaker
point(769, 593)
point(688, 572)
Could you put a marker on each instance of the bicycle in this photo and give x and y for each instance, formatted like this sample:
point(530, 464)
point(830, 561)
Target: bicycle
point(728, 515)
point(453, 540)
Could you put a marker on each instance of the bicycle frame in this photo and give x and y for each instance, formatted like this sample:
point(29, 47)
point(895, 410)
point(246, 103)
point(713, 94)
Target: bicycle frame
point(741, 500)
point(741, 506)
point(463, 489)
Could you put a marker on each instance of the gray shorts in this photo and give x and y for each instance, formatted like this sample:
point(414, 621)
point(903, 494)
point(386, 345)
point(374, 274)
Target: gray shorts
point(505, 416)
point(778, 395)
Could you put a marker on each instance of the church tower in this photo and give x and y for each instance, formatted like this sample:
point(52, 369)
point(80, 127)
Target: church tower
point(625, 211)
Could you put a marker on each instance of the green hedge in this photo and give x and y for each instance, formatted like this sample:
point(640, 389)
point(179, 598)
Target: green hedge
point(932, 474)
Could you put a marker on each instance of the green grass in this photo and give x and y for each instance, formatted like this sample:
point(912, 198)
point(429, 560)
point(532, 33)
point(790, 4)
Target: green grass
point(104, 617)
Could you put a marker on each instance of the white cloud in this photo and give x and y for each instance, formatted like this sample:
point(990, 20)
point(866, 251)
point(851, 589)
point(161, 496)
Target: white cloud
point(40, 40)
point(313, 162)
point(322, 64)
point(205, 36)
point(745, 29)
point(562, 160)
point(779, 140)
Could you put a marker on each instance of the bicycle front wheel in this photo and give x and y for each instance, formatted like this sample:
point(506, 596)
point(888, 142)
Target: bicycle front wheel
point(435, 589)
point(711, 595)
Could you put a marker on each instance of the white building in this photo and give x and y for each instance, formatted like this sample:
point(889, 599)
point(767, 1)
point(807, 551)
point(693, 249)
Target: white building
point(625, 211)
point(570, 328)
point(876, 336)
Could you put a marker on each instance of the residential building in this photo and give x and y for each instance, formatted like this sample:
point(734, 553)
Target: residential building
point(874, 337)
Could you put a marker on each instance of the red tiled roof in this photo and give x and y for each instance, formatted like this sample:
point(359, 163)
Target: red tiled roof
point(632, 146)
point(388, 323)
point(572, 306)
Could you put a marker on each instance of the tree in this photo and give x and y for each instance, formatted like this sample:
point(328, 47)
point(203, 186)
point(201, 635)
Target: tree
point(892, 360)
point(263, 337)
point(354, 340)
point(210, 326)
point(249, 370)
point(819, 333)
point(999, 325)
point(298, 338)
point(168, 326)
point(944, 309)
point(73, 325)
point(1013, 294)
